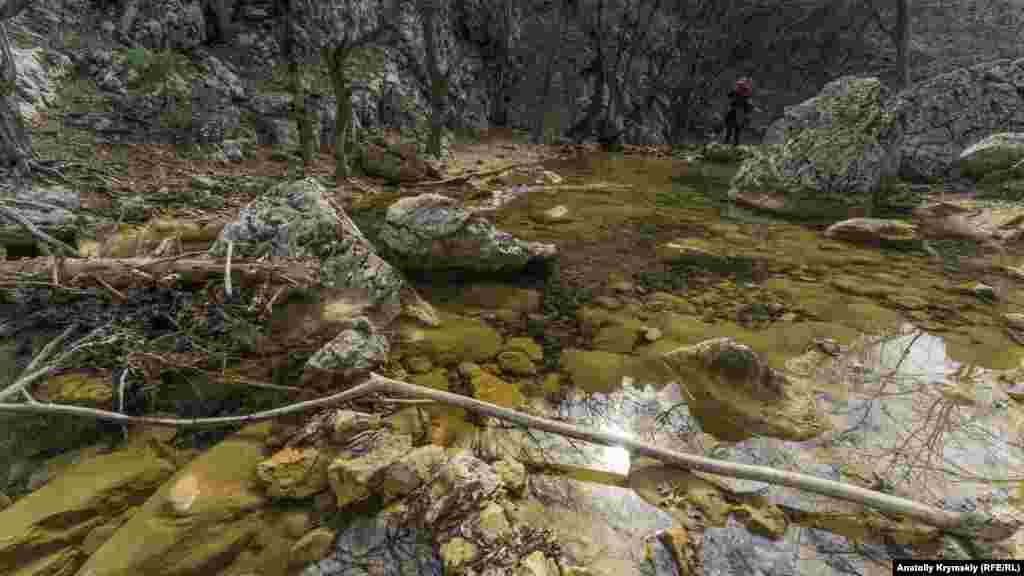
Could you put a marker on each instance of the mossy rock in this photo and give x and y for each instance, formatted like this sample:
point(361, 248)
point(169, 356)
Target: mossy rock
point(489, 388)
point(457, 339)
point(436, 379)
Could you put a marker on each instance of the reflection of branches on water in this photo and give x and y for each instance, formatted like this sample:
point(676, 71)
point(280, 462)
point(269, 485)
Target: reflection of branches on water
point(844, 556)
point(396, 551)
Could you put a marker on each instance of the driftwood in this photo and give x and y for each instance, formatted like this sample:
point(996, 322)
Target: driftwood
point(122, 272)
point(971, 525)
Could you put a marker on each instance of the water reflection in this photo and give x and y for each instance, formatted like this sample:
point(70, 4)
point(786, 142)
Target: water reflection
point(927, 426)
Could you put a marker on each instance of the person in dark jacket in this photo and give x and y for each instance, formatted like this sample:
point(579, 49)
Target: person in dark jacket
point(740, 108)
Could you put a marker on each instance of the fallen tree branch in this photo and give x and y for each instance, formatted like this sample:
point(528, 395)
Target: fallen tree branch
point(121, 272)
point(973, 525)
point(27, 224)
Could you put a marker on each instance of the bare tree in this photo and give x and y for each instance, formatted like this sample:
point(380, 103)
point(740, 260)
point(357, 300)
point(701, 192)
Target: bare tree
point(903, 41)
point(288, 23)
point(337, 28)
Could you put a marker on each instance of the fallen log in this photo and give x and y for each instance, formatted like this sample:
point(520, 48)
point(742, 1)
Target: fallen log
point(974, 525)
point(124, 272)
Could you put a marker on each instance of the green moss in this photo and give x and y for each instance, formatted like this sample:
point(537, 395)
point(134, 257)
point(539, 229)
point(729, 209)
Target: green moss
point(561, 299)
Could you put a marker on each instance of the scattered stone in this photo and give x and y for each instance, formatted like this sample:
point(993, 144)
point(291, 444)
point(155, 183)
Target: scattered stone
point(555, 215)
point(608, 302)
point(348, 423)
point(314, 546)
point(536, 564)
point(623, 287)
point(873, 231)
point(526, 345)
point(294, 473)
point(353, 478)
point(651, 334)
point(492, 523)
point(516, 363)
point(409, 472)
point(457, 552)
point(1014, 320)
point(512, 474)
point(489, 388)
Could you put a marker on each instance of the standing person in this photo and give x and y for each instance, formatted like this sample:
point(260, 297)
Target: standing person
point(738, 117)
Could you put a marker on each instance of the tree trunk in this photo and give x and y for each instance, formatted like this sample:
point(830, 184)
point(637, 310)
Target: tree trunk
point(546, 100)
point(221, 12)
point(438, 83)
point(903, 41)
point(15, 145)
point(343, 111)
point(303, 120)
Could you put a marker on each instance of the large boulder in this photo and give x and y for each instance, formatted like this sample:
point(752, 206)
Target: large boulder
point(998, 152)
point(828, 154)
point(295, 220)
point(431, 231)
point(944, 115)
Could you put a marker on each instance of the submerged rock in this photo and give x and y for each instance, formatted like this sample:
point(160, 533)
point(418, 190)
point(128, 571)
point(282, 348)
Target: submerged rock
point(431, 231)
point(735, 396)
point(195, 522)
point(52, 521)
